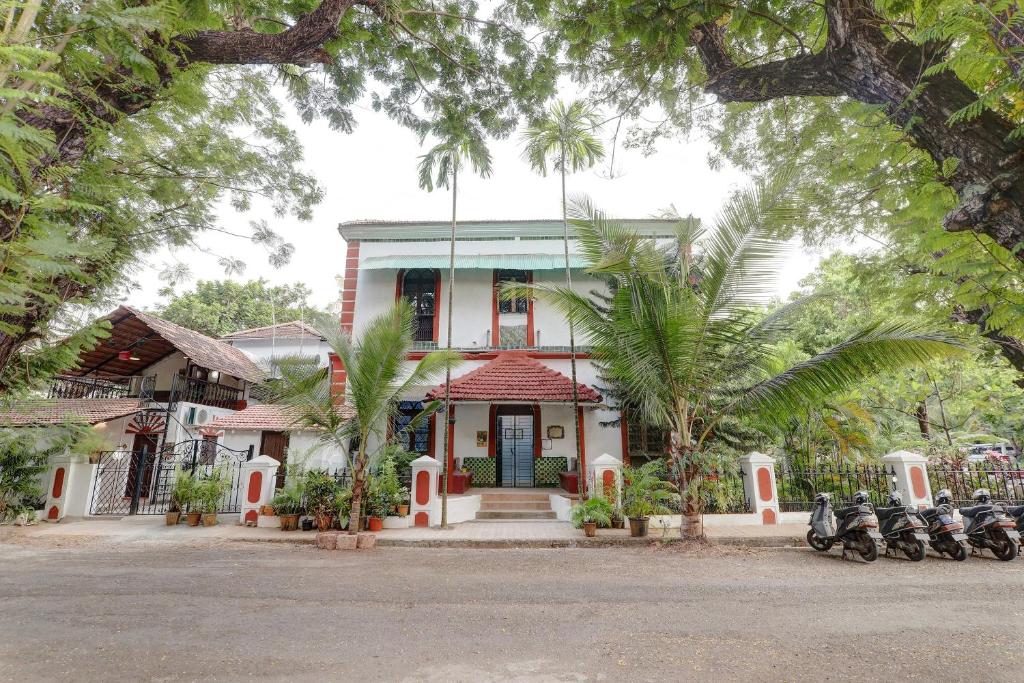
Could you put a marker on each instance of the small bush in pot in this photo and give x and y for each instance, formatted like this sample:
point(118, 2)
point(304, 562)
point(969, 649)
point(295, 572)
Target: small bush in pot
point(210, 493)
point(288, 506)
point(591, 513)
point(183, 493)
point(645, 493)
point(321, 493)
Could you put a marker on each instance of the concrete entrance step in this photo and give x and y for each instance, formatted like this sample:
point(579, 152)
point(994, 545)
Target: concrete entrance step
point(515, 514)
point(525, 497)
point(515, 505)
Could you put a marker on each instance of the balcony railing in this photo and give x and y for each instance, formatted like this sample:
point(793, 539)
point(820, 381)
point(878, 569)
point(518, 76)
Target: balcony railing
point(191, 390)
point(135, 386)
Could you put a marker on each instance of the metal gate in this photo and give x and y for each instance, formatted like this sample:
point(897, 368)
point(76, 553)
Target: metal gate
point(140, 482)
point(515, 450)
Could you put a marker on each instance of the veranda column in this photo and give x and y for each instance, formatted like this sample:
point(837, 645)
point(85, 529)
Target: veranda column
point(256, 481)
point(425, 507)
point(606, 478)
point(911, 477)
point(759, 486)
point(68, 488)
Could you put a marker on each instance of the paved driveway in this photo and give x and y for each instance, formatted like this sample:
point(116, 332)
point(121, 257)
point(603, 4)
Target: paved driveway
point(227, 611)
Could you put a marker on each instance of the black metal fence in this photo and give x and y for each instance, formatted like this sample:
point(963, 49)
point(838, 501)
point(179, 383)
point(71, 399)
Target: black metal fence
point(797, 487)
point(1005, 483)
point(140, 482)
point(722, 493)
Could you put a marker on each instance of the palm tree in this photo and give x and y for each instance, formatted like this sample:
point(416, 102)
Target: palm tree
point(565, 137)
point(376, 380)
point(440, 167)
point(682, 338)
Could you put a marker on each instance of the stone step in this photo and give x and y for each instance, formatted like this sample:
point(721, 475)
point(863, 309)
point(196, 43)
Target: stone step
point(515, 505)
point(515, 497)
point(515, 514)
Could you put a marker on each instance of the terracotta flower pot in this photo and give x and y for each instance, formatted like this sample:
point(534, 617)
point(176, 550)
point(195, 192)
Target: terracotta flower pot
point(209, 519)
point(590, 529)
point(267, 510)
point(403, 510)
point(376, 524)
point(638, 526)
point(193, 518)
point(289, 522)
point(324, 522)
point(618, 523)
point(172, 518)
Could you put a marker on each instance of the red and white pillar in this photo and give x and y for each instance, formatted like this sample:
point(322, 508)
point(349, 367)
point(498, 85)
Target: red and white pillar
point(911, 477)
point(68, 488)
point(759, 486)
point(606, 478)
point(256, 479)
point(425, 505)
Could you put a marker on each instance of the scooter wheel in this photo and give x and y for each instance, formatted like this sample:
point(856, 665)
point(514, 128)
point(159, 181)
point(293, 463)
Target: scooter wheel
point(818, 543)
point(960, 554)
point(1007, 552)
point(916, 552)
point(871, 554)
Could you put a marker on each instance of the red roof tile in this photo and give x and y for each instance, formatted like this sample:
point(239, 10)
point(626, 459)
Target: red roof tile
point(266, 416)
point(295, 328)
point(48, 412)
point(514, 376)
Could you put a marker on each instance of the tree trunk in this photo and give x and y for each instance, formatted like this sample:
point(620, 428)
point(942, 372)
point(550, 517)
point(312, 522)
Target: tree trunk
point(921, 413)
point(859, 61)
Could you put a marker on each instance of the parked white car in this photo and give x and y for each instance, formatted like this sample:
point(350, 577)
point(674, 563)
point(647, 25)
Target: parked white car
point(981, 451)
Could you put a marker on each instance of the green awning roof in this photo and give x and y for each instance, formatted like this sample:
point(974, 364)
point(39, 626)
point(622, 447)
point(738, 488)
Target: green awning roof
point(477, 262)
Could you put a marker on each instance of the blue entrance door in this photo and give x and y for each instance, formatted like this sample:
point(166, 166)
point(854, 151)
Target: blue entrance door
point(515, 449)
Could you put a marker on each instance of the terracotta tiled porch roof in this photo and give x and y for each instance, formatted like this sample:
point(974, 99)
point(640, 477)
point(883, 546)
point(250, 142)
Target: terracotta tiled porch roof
point(270, 417)
point(49, 412)
point(514, 376)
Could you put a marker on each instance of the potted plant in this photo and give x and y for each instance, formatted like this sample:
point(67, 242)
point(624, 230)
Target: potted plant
point(403, 505)
point(182, 494)
point(321, 491)
point(288, 506)
point(590, 513)
point(210, 492)
point(644, 494)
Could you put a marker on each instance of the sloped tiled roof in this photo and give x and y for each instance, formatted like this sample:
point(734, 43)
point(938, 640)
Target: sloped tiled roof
point(204, 351)
point(514, 376)
point(295, 328)
point(48, 412)
point(267, 416)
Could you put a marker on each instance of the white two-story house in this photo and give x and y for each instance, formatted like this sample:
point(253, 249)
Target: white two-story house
point(512, 395)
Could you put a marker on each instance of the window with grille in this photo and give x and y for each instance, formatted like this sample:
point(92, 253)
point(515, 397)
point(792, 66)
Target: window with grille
point(417, 440)
point(646, 442)
point(518, 304)
point(419, 286)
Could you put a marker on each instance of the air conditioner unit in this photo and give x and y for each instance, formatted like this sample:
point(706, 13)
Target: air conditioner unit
point(197, 416)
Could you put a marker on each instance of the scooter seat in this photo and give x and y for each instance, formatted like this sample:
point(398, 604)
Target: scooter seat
point(886, 513)
point(1015, 511)
point(846, 512)
point(975, 511)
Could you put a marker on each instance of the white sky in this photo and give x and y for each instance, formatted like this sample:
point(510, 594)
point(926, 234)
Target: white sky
point(371, 174)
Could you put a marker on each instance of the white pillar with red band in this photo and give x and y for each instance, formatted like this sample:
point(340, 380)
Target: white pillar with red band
point(68, 488)
point(256, 480)
point(911, 477)
point(425, 505)
point(606, 478)
point(759, 486)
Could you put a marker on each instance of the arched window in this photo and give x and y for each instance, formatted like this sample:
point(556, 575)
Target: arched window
point(419, 286)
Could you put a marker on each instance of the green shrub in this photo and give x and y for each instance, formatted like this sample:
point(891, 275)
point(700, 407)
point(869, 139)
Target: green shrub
point(594, 509)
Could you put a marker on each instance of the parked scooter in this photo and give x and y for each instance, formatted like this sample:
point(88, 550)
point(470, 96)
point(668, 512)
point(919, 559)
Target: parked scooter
point(902, 528)
point(1017, 513)
point(857, 529)
point(946, 534)
point(988, 526)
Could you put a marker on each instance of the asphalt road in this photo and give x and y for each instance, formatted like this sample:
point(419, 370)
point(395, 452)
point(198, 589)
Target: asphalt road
point(230, 611)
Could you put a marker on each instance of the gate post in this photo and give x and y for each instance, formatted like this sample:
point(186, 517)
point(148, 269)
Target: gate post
point(425, 507)
point(606, 473)
point(911, 477)
point(759, 486)
point(256, 481)
point(69, 487)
